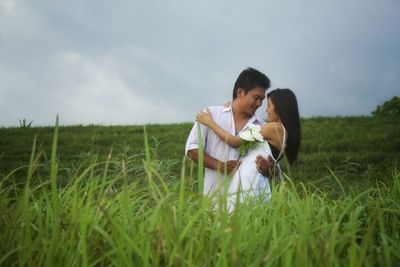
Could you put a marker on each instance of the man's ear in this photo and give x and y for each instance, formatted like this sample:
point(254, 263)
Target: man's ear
point(240, 92)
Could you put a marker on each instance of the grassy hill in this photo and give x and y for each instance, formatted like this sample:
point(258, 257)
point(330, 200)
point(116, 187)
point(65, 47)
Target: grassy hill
point(360, 149)
point(103, 198)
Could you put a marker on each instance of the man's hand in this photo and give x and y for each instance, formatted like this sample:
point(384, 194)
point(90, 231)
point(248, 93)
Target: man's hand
point(212, 163)
point(230, 166)
point(265, 166)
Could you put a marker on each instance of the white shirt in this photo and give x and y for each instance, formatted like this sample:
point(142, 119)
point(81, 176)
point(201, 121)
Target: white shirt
point(214, 146)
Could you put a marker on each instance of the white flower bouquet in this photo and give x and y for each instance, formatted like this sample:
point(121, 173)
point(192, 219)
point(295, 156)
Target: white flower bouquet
point(251, 138)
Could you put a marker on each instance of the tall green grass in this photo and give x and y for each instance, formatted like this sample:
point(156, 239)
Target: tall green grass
point(116, 212)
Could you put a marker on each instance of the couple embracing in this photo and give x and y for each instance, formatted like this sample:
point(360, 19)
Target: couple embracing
point(221, 128)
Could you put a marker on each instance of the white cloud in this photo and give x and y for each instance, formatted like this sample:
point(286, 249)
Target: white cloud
point(81, 90)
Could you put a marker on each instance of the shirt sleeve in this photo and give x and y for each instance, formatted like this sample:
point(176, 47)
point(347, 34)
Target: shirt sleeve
point(192, 141)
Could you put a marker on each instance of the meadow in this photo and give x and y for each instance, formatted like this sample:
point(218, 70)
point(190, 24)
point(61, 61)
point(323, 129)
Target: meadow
point(121, 196)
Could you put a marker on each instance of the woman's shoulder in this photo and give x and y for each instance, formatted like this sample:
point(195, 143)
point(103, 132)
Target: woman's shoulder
point(273, 132)
point(273, 126)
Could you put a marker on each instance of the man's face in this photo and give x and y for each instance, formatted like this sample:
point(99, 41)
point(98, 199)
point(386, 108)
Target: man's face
point(251, 101)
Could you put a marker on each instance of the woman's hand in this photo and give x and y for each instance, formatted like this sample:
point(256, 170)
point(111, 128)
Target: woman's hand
point(227, 104)
point(204, 117)
point(265, 166)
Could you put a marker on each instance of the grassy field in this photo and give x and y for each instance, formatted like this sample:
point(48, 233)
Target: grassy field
point(97, 196)
point(359, 149)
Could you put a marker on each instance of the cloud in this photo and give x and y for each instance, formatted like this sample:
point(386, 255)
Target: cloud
point(85, 90)
point(139, 62)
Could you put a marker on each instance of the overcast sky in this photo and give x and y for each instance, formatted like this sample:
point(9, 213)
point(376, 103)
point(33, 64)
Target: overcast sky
point(134, 62)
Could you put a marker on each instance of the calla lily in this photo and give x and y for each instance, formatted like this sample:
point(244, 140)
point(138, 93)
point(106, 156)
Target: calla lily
point(250, 135)
point(255, 127)
point(258, 136)
point(256, 132)
point(246, 135)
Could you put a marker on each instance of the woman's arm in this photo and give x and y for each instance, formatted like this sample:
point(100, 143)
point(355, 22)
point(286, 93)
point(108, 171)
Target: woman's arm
point(273, 132)
point(205, 118)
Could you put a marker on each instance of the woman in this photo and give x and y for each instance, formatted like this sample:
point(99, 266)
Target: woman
point(281, 137)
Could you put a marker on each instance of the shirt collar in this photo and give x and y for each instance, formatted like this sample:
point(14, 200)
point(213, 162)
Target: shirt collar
point(253, 120)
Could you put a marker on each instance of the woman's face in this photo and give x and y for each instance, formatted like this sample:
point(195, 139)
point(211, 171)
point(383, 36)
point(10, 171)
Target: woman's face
point(272, 115)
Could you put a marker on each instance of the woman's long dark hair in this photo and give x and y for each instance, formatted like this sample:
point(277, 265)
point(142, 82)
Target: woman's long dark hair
point(285, 103)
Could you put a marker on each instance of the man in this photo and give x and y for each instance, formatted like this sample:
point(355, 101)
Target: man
point(220, 158)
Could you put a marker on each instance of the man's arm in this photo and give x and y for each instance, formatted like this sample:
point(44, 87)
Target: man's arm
point(212, 163)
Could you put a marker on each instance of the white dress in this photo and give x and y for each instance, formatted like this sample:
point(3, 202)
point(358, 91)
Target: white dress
point(247, 182)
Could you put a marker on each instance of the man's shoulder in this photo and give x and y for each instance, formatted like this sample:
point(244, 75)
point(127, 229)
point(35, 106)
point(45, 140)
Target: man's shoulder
point(216, 109)
point(220, 113)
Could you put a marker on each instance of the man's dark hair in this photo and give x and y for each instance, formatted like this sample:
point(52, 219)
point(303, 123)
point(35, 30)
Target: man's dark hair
point(249, 79)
